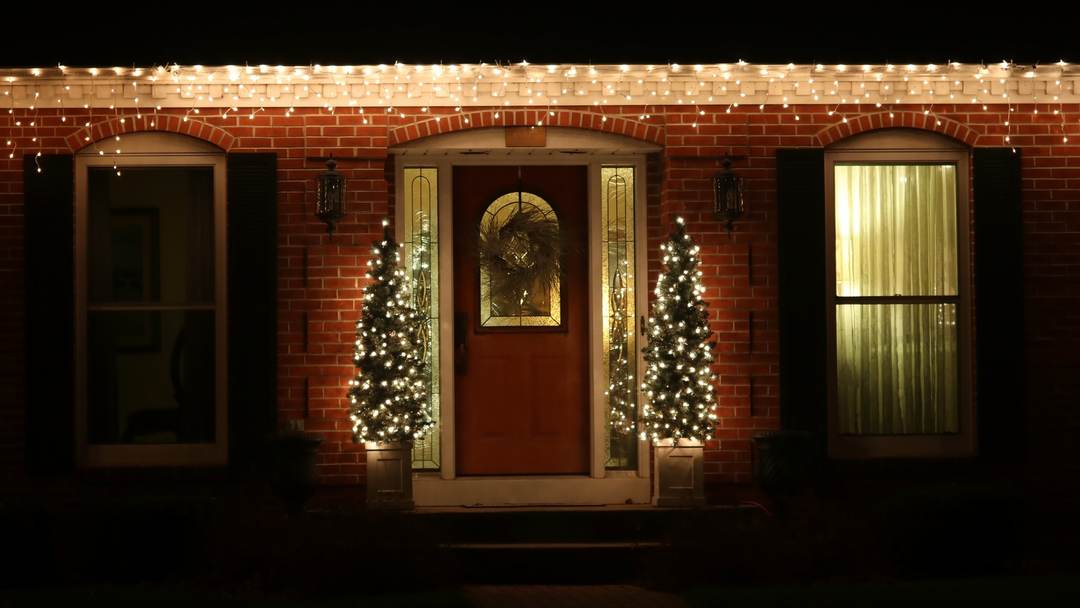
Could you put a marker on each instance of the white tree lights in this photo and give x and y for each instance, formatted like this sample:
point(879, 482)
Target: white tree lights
point(678, 380)
point(388, 401)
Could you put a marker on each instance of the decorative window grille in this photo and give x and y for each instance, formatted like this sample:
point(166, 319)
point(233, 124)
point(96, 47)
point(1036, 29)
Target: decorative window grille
point(421, 241)
point(619, 295)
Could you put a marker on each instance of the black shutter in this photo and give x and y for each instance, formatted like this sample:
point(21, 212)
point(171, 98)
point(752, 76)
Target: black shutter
point(252, 295)
point(999, 303)
point(800, 219)
point(49, 322)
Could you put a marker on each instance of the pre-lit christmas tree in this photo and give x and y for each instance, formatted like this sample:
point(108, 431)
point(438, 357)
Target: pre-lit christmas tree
point(387, 399)
point(678, 380)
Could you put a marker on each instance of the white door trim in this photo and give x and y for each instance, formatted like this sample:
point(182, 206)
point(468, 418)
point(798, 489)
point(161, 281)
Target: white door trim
point(592, 149)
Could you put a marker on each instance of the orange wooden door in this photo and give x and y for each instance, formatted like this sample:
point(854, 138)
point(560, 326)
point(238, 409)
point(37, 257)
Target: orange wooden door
point(521, 405)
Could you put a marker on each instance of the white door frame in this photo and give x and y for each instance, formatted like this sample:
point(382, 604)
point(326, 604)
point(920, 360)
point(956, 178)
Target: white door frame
point(592, 149)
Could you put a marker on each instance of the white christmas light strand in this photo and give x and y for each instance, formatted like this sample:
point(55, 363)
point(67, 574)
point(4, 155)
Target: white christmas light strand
point(388, 400)
point(198, 83)
point(680, 400)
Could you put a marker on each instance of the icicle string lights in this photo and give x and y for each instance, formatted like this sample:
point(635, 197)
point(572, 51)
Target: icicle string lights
point(221, 92)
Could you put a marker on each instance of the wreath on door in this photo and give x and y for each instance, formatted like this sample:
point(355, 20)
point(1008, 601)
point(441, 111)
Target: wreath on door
point(520, 251)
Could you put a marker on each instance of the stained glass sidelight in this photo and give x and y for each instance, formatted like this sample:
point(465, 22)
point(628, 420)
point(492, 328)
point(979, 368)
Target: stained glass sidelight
point(620, 339)
point(421, 256)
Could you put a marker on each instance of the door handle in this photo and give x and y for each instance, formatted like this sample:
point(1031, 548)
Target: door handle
point(461, 343)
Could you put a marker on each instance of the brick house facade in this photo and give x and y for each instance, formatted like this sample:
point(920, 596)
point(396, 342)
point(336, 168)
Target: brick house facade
point(319, 282)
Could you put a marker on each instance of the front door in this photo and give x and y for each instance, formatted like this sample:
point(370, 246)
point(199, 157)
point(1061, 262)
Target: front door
point(521, 391)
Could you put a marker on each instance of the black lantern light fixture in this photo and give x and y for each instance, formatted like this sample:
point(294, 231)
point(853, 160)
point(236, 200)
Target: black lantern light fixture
point(330, 190)
point(729, 194)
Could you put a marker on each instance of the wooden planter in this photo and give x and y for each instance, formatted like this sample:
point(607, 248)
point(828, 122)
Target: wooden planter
point(389, 475)
point(680, 473)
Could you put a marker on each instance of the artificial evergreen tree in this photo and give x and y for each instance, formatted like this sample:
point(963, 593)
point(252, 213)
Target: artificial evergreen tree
point(388, 401)
point(678, 378)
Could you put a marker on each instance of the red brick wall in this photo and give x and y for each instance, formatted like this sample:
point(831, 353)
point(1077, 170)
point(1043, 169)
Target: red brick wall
point(320, 280)
point(12, 280)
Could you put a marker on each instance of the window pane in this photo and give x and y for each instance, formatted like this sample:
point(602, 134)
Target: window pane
point(896, 369)
point(422, 260)
point(620, 339)
point(150, 376)
point(895, 230)
point(533, 306)
point(151, 235)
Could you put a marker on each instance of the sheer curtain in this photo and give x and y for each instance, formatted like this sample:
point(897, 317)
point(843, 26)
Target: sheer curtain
point(896, 235)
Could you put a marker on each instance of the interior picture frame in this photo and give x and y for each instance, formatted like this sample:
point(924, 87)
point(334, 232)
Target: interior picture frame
point(136, 278)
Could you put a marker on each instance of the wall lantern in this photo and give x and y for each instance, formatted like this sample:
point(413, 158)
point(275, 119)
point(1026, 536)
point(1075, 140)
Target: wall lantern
point(330, 193)
point(729, 194)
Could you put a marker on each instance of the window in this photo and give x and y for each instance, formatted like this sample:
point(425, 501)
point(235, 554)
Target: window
point(535, 305)
point(150, 303)
point(898, 296)
point(421, 239)
point(618, 262)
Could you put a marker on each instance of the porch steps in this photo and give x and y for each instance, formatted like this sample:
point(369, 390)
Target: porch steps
point(569, 545)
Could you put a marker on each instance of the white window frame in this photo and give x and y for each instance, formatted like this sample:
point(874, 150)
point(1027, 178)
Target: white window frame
point(152, 150)
point(903, 146)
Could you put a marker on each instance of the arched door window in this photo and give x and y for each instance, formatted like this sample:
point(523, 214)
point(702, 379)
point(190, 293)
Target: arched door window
point(523, 225)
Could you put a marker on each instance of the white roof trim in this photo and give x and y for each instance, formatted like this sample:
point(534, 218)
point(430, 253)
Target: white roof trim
point(529, 85)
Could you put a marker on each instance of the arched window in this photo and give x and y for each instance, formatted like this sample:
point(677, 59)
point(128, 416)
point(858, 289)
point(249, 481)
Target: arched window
point(503, 302)
point(897, 228)
point(150, 302)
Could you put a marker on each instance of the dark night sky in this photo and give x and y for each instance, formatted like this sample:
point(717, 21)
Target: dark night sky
point(390, 31)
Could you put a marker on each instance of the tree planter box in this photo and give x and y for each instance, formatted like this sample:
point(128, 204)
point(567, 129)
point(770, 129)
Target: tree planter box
point(389, 475)
point(680, 473)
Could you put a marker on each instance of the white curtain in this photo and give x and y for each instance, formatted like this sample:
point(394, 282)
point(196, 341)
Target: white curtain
point(897, 366)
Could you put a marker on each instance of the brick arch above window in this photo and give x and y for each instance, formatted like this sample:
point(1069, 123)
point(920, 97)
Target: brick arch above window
point(149, 123)
point(887, 120)
point(427, 126)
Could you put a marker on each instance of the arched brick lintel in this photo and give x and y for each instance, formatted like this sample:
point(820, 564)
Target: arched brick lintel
point(517, 117)
point(149, 122)
point(888, 120)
